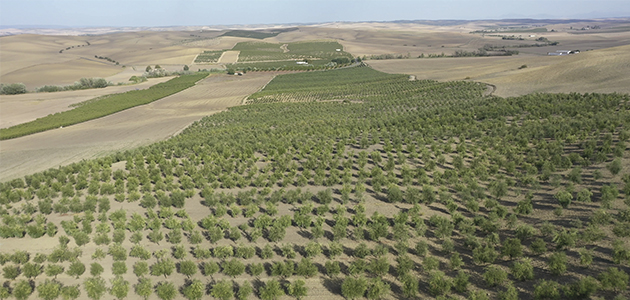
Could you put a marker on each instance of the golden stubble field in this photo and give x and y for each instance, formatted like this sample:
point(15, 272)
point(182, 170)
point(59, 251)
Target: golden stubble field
point(35, 60)
point(127, 129)
point(601, 71)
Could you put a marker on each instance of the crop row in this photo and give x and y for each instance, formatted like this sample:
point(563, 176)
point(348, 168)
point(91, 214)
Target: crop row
point(209, 56)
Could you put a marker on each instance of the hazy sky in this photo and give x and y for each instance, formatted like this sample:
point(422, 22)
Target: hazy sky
point(85, 13)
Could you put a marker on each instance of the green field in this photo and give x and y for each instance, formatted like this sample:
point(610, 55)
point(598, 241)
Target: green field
point(407, 190)
point(262, 56)
point(209, 56)
point(102, 106)
point(257, 34)
point(285, 65)
point(315, 50)
point(358, 84)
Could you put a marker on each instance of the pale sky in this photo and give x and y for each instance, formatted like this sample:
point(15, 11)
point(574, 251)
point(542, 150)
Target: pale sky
point(91, 13)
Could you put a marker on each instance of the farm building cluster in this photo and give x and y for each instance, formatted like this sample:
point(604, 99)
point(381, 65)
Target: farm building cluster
point(563, 52)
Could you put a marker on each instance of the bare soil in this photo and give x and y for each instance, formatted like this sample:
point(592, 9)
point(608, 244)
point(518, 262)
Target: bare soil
point(229, 57)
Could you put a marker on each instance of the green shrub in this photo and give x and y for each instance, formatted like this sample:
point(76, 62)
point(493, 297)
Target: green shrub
point(545, 289)
point(439, 283)
point(614, 279)
point(557, 263)
point(523, 269)
point(494, 275)
point(354, 287)
point(13, 89)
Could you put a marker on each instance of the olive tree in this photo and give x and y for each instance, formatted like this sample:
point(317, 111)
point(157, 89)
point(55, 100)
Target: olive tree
point(194, 291)
point(222, 290)
point(144, 288)
point(354, 287)
point(233, 267)
point(297, 289)
point(94, 287)
point(120, 287)
point(271, 291)
point(165, 291)
point(188, 268)
point(244, 291)
point(49, 290)
point(22, 290)
point(70, 292)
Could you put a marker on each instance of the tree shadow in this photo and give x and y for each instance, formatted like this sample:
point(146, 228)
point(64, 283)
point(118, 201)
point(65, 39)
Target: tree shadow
point(333, 285)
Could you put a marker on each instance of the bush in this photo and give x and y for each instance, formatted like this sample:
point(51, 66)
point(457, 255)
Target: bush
point(409, 285)
point(163, 267)
point(538, 246)
point(144, 288)
point(49, 290)
point(354, 288)
point(188, 268)
point(32, 270)
point(377, 289)
point(582, 289)
point(120, 287)
point(119, 268)
point(22, 290)
point(547, 290)
point(523, 269)
point(615, 166)
point(306, 268)
point(244, 291)
point(210, 268)
point(557, 263)
point(76, 269)
point(11, 272)
point(614, 279)
point(439, 283)
point(271, 291)
point(512, 248)
point(166, 291)
point(461, 281)
point(510, 293)
point(297, 289)
point(94, 287)
point(13, 89)
point(564, 198)
point(233, 267)
point(195, 290)
point(494, 276)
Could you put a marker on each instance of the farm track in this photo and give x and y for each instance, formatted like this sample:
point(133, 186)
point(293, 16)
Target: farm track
point(128, 129)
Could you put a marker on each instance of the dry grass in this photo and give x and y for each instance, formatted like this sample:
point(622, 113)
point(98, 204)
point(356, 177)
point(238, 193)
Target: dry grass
point(592, 71)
